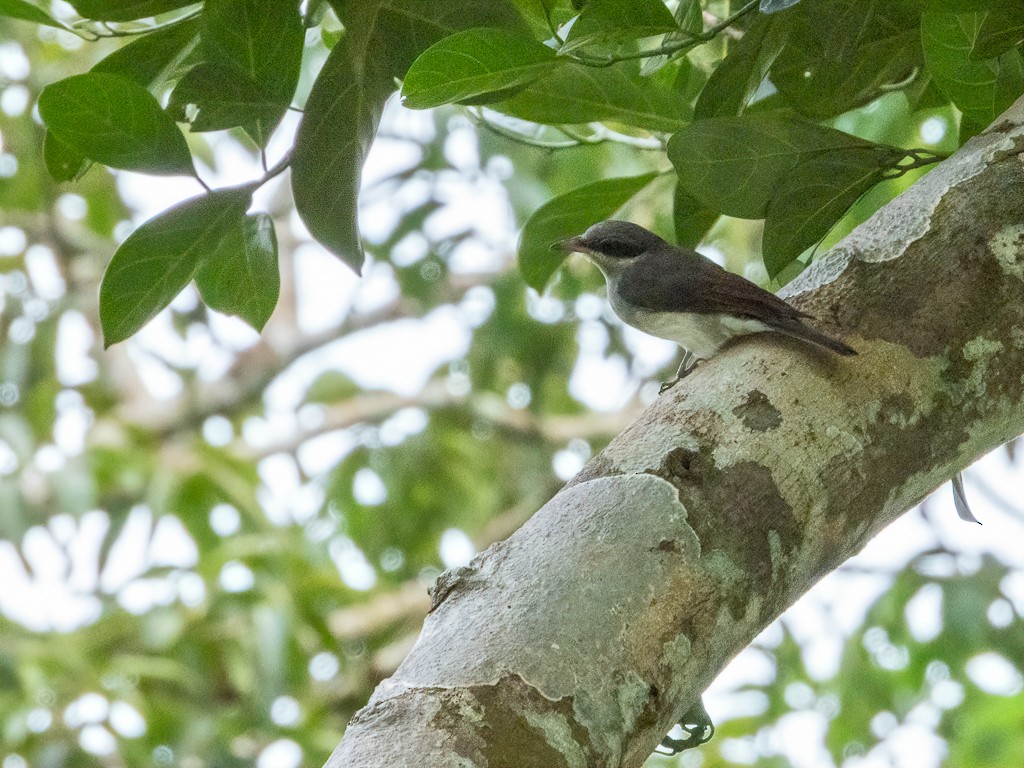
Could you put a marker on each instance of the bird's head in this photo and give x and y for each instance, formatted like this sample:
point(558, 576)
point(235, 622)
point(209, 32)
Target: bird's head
point(612, 244)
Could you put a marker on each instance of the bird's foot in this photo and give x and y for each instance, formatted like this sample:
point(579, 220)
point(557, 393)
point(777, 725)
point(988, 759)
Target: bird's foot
point(697, 729)
point(667, 385)
point(689, 362)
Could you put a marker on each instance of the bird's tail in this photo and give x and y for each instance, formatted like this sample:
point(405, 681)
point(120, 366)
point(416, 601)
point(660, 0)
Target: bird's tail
point(798, 330)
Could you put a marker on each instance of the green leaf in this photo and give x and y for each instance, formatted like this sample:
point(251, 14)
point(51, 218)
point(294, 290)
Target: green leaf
point(578, 94)
point(1001, 30)
point(159, 259)
point(63, 162)
point(813, 197)
point(126, 10)
point(241, 276)
point(842, 54)
point(982, 90)
point(736, 78)
point(381, 41)
point(473, 63)
point(259, 43)
point(115, 121)
point(223, 100)
point(612, 22)
point(21, 9)
point(733, 165)
point(689, 17)
point(152, 58)
point(569, 215)
point(691, 219)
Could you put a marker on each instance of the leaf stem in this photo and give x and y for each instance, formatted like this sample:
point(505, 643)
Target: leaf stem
point(691, 41)
point(919, 158)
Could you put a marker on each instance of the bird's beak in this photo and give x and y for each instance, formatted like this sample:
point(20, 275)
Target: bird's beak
point(572, 245)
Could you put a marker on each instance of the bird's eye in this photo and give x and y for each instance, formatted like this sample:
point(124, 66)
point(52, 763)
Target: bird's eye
point(620, 249)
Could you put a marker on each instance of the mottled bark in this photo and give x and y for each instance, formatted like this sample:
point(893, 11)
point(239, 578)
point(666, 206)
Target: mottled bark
point(583, 637)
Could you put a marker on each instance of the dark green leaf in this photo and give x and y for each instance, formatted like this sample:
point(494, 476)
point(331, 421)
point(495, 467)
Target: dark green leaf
point(21, 9)
point(241, 277)
point(126, 10)
point(578, 94)
point(381, 41)
point(736, 78)
point(159, 259)
point(569, 215)
point(258, 42)
point(472, 63)
point(842, 54)
point(1001, 30)
point(960, 6)
point(692, 220)
point(689, 17)
point(115, 121)
point(612, 22)
point(734, 165)
point(982, 90)
point(151, 58)
point(813, 197)
point(223, 100)
point(63, 162)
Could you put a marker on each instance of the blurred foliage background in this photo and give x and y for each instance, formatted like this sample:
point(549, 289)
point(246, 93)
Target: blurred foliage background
point(215, 543)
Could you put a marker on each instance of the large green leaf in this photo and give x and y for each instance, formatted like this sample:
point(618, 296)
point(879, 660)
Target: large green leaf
point(381, 41)
point(115, 121)
point(472, 63)
point(982, 90)
point(126, 10)
point(578, 94)
point(151, 58)
point(223, 100)
point(1001, 30)
point(63, 163)
point(241, 276)
point(159, 259)
point(569, 215)
point(257, 43)
point(611, 22)
point(814, 196)
point(26, 11)
point(691, 220)
point(737, 76)
point(734, 165)
point(842, 54)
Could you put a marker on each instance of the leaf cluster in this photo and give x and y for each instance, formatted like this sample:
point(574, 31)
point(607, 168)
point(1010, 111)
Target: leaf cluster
point(746, 105)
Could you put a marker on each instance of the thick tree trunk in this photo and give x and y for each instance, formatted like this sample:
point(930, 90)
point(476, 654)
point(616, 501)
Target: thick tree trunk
point(582, 638)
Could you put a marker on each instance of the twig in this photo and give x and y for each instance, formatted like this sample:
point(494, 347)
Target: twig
point(668, 49)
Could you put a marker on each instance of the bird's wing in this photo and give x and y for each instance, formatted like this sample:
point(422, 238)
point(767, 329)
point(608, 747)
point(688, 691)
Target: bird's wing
point(689, 282)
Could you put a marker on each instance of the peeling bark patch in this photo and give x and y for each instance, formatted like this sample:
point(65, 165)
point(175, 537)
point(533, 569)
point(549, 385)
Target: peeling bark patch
point(751, 509)
point(518, 726)
point(758, 413)
point(448, 582)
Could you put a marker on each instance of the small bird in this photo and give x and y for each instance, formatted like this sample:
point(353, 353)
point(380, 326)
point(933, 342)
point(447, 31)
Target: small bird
point(676, 294)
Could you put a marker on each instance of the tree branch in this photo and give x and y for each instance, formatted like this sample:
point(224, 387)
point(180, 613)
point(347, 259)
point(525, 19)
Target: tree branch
point(582, 638)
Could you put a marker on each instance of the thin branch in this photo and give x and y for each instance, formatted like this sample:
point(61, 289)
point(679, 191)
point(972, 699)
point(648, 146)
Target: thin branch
point(668, 49)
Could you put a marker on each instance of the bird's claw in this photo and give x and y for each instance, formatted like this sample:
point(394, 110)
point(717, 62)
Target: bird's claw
point(697, 726)
point(667, 385)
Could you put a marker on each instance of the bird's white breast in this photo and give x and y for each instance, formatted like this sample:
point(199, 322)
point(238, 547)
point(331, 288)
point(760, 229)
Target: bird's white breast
point(701, 335)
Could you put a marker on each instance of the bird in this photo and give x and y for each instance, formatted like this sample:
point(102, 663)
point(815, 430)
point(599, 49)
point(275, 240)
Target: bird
point(677, 294)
